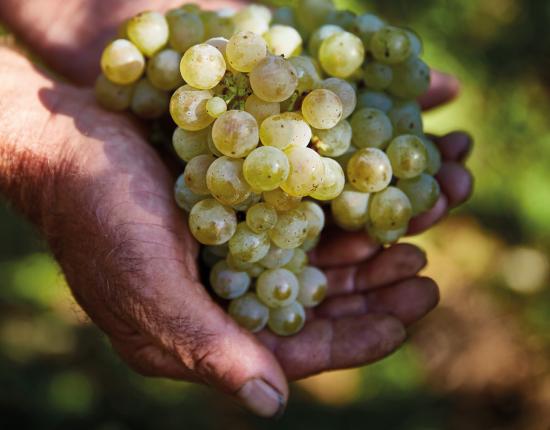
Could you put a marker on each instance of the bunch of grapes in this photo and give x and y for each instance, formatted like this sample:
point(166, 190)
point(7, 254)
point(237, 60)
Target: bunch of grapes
point(278, 114)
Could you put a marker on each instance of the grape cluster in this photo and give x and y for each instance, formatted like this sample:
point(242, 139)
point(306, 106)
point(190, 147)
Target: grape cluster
point(278, 113)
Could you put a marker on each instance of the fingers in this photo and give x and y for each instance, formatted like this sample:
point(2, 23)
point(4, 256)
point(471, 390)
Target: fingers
point(443, 88)
point(408, 301)
point(394, 264)
point(455, 146)
point(428, 219)
point(326, 344)
point(456, 183)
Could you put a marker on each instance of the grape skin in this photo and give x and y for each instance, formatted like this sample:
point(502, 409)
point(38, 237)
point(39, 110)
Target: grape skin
point(369, 170)
point(313, 287)
point(345, 92)
point(350, 209)
point(190, 144)
point(322, 109)
point(308, 73)
point(274, 79)
point(333, 181)
point(298, 261)
point(280, 200)
point(335, 141)
point(378, 76)
point(203, 66)
point(186, 30)
point(261, 217)
point(195, 173)
point(290, 231)
point(306, 171)
point(211, 223)
point(319, 36)
point(185, 198)
point(148, 31)
point(226, 182)
point(390, 45)
point(227, 283)
point(260, 109)
point(216, 107)
point(288, 320)
point(422, 191)
point(315, 218)
point(122, 63)
point(434, 156)
point(266, 168)
point(248, 246)
point(163, 70)
point(285, 130)
point(235, 133)
point(249, 312)
point(276, 257)
point(284, 41)
point(342, 54)
point(371, 128)
point(188, 108)
point(374, 99)
point(408, 156)
point(245, 50)
point(390, 209)
point(277, 288)
point(148, 102)
point(113, 96)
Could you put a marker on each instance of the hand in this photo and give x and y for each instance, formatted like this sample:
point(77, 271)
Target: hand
point(131, 262)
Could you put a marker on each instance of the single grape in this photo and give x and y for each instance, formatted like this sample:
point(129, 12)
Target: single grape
point(378, 76)
point(148, 31)
point(319, 36)
point(148, 102)
point(298, 261)
point(371, 128)
point(247, 246)
point(254, 18)
point(333, 142)
point(411, 79)
point(113, 96)
point(308, 73)
point(188, 108)
point(434, 156)
point(211, 147)
point(163, 70)
point(306, 171)
point(261, 110)
point(216, 107)
point(313, 287)
point(226, 182)
point(342, 54)
point(253, 269)
point(261, 217)
point(333, 181)
point(249, 312)
point(285, 130)
point(283, 40)
point(266, 168)
point(386, 237)
point(216, 25)
point(345, 92)
point(390, 45)
point(121, 62)
point(390, 209)
point(322, 109)
point(406, 118)
point(186, 30)
point(369, 170)
point(276, 257)
point(408, 156)
point(422, 191)
point(195, 173)
point(374, 99)
point(211, 223)
point(227, 283)
point(288, 320)
point(310, 244)
point(291, 229)
point(274, 79)
point(280, 200)
point(277, 288)
point(416, 43)
point(315, 218)
point(235, 133)
point(203, 66)
point(311, 14)
point(366, 25)
point(245, 50)
point(220, 43)
point(185, 198)
point(190, 144)
point(350, 209)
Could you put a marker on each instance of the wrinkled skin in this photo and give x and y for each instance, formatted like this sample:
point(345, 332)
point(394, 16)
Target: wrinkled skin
point(103, 199)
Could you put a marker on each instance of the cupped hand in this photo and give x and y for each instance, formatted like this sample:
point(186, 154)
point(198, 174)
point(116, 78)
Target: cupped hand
point(130, 260)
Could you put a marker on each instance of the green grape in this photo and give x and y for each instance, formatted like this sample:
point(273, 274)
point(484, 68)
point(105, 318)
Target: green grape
point(163, 70)
point(261, 217)
point(350, 209)
point(416, 43)
point(276, 257)
point(277, 288)
point(311, 14)
point(374, 99)
point(195, 173)
point(220, 43)
point(283, 40)
point(371, 128)
point(148, 31)
point(411, 79)
point(345, 92)
point(284, 16)
point(266, 168)
point(188, 108)
point(185, 198)
point(285, 130)
point(121, 62)
point(254, 18)
point(290, 231)
point(319, 36)
point(342, 18)
point(406, 118)
point(298, 261)
point(378, 76)
point(280, 200)
point(274, 79)
point(333, 181)
point(260, 109)
point(308, 73)
point(288, 320)
point(434, 156)
point(216, 25)
point(190, 144)
point(250, 201)
point(203, 66)
point(366, 25)
point(315, 218)
point(211, 223)
point(310, 244)
point(408, 156)
point(422, 191)
point(226, 182)
point(390, 209)
point(236, 134)
point(148, 102)
point(186, 30)
point(247, 246)
point(342, 54)
point(245, 50)
point(216, 107)
point(227, 283)
point(313, 287)
point(113, 96)
point(249, 312)
point(386, 237)
point(211, 147)
point(253, 269)
point(322, 109)
point(369, 170)
point(306, 171)
point(333, 142)
point(390, 45)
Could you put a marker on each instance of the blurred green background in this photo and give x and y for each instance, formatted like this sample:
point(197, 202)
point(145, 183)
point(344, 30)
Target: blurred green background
point(480, 361)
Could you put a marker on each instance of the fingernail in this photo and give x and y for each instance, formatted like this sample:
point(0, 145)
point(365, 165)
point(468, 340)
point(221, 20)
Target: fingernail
point(262, 399)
